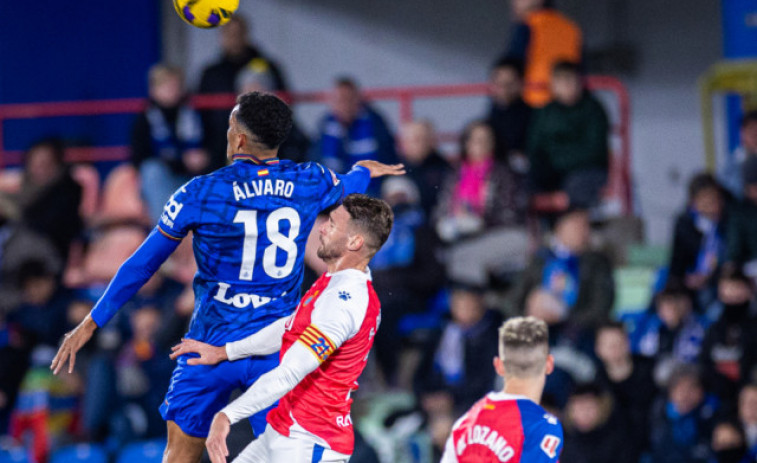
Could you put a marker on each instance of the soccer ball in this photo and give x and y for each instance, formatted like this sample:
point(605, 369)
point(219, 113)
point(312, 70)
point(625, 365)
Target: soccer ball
point(206, 13)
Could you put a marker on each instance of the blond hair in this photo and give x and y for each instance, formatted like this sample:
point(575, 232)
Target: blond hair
point(524, 346)
point(160, 72)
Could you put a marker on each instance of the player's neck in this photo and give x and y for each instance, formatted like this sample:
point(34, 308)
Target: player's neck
point(530, 388)
point(345, 262)
point(261, 154)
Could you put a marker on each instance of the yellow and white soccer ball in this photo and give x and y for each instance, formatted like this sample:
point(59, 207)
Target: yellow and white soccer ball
point(206, 13)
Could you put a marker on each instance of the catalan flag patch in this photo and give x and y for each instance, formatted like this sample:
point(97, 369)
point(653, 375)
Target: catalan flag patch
point(318, 342)
point(262, 173)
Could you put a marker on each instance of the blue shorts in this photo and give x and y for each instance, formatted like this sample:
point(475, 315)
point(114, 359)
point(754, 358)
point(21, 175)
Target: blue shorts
point(197, 392)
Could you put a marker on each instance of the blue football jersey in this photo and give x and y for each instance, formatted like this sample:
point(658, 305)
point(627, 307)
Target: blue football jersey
point(249, 225)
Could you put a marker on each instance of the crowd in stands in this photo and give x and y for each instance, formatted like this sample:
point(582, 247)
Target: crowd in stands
point(506, 225)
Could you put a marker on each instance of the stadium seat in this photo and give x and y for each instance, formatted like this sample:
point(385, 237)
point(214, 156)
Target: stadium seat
point(14, 455)
point(82, 453)
point(110, 249)
point(143, 452)
point(121, 200)
point(89, 180)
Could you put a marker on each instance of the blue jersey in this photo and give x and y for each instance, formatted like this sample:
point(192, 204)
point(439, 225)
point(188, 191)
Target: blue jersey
point(502, 427)
point(250, 222)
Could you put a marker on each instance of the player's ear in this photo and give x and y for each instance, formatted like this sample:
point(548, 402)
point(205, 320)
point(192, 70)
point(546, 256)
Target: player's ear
point(355, 242)
point(499, 366)
point(241, 141)
point(549, 367)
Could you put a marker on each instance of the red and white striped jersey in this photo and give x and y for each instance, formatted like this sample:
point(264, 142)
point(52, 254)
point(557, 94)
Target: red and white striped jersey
point(337, 321)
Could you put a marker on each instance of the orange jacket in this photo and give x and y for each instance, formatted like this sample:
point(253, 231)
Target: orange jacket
point(553, 38)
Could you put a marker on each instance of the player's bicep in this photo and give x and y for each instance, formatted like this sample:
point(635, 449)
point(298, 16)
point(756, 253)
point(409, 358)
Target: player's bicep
point(179, 213)
point(336, 317)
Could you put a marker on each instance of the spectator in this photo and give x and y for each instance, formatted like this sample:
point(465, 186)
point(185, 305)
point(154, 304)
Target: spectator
point(424, 165)
point(731, 172)
point(542, 38)
point(728, 444)
point(698, 240)
point(596, 430)
point(455, 370)
point(49, 197)
point(509, 116)
point(629, 379)
point(352, 131)
point(682, 424)
point(728, 353)
point(406, 271)
point(482, 207)
point(568, 148)
point(258, 76)
point(670, 333)
point(741, 241)
point(578, 279)
point(237, 52)
point(143, 371)
point(167, 140)
point(748, 415)
point(41, 316)
point(570, 345)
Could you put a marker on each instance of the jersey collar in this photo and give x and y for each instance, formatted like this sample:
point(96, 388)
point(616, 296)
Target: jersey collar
point(505, 396)
point(254, 159)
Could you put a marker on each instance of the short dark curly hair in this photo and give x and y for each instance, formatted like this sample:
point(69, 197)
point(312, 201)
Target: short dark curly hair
point(267, 117)
point(373, 216)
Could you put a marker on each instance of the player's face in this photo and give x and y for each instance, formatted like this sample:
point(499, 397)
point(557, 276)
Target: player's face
point(334, 234)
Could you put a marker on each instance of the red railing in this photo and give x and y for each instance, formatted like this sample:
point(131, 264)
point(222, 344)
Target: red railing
point(404, 96)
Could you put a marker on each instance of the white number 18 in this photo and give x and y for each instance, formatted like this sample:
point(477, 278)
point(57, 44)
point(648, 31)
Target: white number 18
point(278, 241)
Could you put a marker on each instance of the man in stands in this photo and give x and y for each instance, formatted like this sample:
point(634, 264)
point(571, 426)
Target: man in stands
point(509, 115)
point(237, 53)
point(324, 349)
point(510, 425)
point(567, 141)
point(352, 131)
point(542, 38)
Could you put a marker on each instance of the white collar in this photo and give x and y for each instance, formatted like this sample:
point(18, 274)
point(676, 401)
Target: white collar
point(501, 396)
point(353, 271)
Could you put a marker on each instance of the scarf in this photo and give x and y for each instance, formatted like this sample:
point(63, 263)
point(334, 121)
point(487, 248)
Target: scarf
point(472, 187)
point(561, 274)
point(343, 146)
point(711, 247)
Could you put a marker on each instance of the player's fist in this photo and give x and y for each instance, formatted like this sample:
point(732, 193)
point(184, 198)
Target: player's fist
point(216, 441)
point(209, 355)
point(379, 169)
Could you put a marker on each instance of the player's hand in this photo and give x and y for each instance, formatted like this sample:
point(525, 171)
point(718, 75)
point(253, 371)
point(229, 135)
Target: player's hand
point(216, 441)
point(379, 169)
point(209, 355)
point(72, 342)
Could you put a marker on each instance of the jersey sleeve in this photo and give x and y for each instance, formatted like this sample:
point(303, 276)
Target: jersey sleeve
point(336, 317)
point(543, 441)
point(181, 213)
point(334, 187)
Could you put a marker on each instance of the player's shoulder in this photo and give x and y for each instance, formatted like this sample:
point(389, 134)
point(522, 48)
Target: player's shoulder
point(348, 287)
point(536, 418)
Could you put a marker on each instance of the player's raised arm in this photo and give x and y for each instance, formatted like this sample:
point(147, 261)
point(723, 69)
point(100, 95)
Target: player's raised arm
point(132, 274)
point(177, 220)
point(264, 342)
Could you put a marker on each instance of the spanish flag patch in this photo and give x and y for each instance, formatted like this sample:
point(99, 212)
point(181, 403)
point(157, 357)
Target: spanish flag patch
point(262, 173)
point(318, 342)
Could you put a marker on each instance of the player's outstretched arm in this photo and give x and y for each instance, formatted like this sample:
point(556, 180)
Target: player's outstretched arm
point(132, 274)
point(264, 342)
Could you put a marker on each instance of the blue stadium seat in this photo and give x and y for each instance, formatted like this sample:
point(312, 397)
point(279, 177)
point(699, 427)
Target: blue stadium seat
point(143, 452)
point(82, 453)
point(14, 455)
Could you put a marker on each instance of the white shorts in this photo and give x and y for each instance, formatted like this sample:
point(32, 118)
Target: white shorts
point(273, 447)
